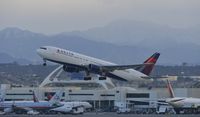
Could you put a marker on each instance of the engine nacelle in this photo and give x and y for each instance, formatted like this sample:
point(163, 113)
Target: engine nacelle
point(94, 68)
point(87, 78)
point(70, 69)
point(8, 110)
point(32, 112)
point(78, 110)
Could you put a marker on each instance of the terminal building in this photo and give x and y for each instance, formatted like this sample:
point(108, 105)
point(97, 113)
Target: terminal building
point(102, 94)
point(99, 98)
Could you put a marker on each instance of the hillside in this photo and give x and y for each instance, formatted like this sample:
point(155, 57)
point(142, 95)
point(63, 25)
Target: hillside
point(120, 42)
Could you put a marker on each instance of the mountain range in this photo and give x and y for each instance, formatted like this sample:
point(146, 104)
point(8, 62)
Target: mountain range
point(122, 42)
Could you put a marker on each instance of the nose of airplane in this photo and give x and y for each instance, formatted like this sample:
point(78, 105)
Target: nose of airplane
point(89, 106)
point(168, 100)
point(38, 51)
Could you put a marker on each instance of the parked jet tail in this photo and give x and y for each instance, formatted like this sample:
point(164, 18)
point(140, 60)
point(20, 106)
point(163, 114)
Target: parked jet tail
point(55, 100)
point(169, 87)
point(35, 99)
point(152, 61)
point(3, 94)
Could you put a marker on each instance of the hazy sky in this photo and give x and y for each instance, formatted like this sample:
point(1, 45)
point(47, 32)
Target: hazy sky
point(52, 16)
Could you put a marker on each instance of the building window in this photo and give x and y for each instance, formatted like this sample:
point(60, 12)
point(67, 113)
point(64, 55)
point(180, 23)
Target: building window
point(139, 103)
point(52, 94)
point(23, 94)
point(81, 94)
point(137, 95)
point(107, 95)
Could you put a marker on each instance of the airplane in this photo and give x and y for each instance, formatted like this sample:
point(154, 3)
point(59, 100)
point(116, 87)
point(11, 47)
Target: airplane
point(182, 103)
point(30, 107)
point(75, 62)
point(53, 105)
point(72, 107)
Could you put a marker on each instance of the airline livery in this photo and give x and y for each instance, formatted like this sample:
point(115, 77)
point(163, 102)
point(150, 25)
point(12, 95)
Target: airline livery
point(182, 103)
point(29, 107)
point(37, 106)
point(75, 62)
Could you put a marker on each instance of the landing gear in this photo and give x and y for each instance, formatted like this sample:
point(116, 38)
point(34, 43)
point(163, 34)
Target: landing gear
point(87, 78)
point(102, 78)
point(78, 110)
point(45, 63)
point(177, 110)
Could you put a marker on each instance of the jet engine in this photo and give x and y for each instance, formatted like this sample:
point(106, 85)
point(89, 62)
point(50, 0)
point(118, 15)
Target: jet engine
point(8, 110)
point(95, 68)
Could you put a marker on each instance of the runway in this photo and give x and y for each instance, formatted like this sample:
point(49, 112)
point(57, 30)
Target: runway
point(103, 115)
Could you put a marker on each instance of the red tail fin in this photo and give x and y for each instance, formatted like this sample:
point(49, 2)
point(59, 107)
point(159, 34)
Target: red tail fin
point(35, 99)
point(49, 96)
point(151, 60)
point(169, 87)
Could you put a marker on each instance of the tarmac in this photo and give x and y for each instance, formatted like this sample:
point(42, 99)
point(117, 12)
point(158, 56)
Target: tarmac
point(106, 114)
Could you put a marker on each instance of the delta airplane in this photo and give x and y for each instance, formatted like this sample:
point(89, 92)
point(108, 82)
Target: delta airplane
point(75, 62)
point(182, 103)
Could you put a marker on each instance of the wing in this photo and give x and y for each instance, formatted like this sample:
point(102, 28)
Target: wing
point(123, 67)
point(22, 108)
point(28, 110)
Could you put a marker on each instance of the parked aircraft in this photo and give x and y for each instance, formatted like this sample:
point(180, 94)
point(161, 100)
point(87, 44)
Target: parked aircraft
point(30, 107)
point(36, 106)
point(75, 62)
point(72, 107)
point(183, 103)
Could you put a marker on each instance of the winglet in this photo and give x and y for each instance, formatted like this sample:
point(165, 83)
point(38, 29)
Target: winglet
point(169, 87)
point(152, 61)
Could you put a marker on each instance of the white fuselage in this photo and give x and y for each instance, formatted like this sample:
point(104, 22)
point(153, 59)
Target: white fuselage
point(63, 106)
point(68, 57)
point(68, 106)
point(24, 104)
point(181, 102)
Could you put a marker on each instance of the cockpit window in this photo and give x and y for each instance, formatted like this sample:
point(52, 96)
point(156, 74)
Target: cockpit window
point(43, 48)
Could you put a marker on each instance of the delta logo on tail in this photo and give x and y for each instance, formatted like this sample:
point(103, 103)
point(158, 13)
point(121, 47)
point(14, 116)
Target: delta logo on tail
point(152, 61)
